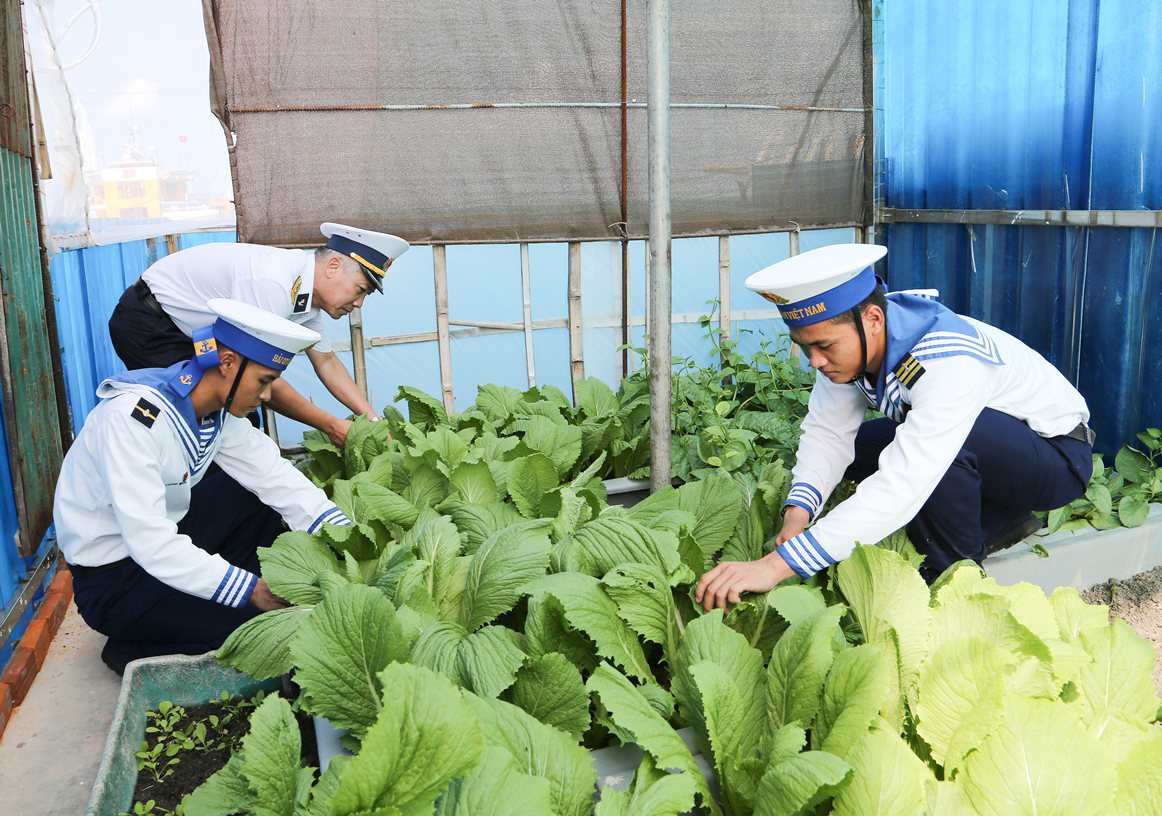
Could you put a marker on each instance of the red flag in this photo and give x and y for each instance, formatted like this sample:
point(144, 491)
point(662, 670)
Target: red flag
point(181, 139)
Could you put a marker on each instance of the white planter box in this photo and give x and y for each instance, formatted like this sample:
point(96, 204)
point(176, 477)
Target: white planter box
point(1082, 558)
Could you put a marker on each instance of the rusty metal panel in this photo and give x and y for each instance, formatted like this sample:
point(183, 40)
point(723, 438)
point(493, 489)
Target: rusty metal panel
point(34, 440)
point(14, 130)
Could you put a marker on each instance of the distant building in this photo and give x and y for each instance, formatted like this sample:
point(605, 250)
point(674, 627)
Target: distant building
point(139, 186)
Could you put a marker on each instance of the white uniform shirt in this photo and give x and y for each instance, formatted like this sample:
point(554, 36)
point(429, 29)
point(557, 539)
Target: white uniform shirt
point(125, 484)
point(994, 370)
point(280, 281)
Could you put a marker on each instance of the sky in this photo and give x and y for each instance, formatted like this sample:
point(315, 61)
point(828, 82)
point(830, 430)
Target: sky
point(150, 68)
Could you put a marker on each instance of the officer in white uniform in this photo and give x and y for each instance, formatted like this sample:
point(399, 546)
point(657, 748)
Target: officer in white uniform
point(156, 316)
point(979, 429)
point(164, 562)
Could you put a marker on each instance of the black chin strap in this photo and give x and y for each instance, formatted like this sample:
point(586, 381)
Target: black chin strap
point(246, 360)
point(862, 342)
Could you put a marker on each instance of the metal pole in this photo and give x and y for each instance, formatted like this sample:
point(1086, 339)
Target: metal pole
point(658, 117)
point(724, 289)
point(526, 290)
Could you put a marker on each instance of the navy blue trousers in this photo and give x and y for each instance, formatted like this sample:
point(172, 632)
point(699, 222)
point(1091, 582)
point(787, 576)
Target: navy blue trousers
point(145, 339)
point(1004, 471)
point(143, 617)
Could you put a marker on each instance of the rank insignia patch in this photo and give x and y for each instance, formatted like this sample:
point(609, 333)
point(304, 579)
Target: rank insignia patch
point(908, 370)
point(145, 412)
point(301, 303)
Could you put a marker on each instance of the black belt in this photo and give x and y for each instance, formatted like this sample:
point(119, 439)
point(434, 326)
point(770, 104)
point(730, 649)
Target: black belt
point(1082, 433)
point(77, 569)
point(141, 288)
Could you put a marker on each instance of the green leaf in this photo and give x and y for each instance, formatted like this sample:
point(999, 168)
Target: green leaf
point(292, 564)
point(374, 501)
point(789, 787)
point(499, 571)
point(715, 503)
point(224, 794)
point(339, 651)
point(424, 737)
point(1074, 615)
point(796, 602)
point(261, 646)
point(1039, 760)
point(1140, 781)
point(478, 522)
point(609, 541)
point(595, 398)
point(540, 750)
point(423, 411)
point(528, 479)
point(561, 443)
point(475, 484)
point(484, 662)
point(546, 632)
point(448, 448)
point(735, 763)
point(272, 752)
point(587, 608)
point(497, 401)
point(798, 667)
point(853, 694)
point(1120, 678)
point(1134, 466)
point(645, 601)
point(496, 788)
point(889, 600)
point(1133, 510)
point(549, 688)
point(961, 697)
point(1100, 496)
point(707, 639)
point(887, 779)
point(653, 792)
point(635, 722)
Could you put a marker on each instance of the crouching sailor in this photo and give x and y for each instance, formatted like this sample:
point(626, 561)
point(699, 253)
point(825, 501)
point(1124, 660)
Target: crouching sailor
point(978, 430)
point(164, 561)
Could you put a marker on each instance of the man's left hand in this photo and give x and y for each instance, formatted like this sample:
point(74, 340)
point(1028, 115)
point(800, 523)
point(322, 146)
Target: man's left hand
point(337, 431)
point(725, 583)
point(264, 599)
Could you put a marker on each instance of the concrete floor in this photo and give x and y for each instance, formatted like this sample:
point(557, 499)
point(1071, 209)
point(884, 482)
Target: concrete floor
point(51, 749)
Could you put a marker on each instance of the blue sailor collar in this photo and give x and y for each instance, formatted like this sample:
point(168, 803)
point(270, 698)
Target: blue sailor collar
point(166, 383)
point(919, 329)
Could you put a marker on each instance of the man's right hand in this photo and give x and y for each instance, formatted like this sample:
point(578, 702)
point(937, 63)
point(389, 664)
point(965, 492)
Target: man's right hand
point(795, 521)
point(264, 599)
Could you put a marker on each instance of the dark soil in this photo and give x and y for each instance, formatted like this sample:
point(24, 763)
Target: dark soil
point(196, 767)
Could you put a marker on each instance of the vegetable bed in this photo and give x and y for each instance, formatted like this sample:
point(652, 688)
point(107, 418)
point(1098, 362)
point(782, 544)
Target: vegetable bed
point(489, 619)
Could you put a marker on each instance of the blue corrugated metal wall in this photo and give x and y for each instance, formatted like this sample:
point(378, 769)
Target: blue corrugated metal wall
point(1034, 104)
point(87, 284)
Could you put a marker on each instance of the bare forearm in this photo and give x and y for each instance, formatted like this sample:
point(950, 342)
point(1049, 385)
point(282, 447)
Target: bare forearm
point(334, 375)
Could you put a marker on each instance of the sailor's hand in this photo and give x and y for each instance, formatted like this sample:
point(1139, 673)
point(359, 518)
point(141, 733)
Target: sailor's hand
point(725, 583)
point(264, 599)
point(337, 432)
point(795, 521)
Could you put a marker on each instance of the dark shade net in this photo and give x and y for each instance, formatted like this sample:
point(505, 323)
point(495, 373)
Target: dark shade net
point(289, 79)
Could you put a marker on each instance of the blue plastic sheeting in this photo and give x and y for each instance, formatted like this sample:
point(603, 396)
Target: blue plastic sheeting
point(1034, 105)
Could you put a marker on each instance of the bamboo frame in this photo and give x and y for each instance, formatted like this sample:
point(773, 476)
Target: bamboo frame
point(526, 292)
point(440, 269)
point(576, 347)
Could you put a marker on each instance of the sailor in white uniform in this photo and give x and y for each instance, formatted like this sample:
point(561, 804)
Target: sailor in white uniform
point(979, 430)
point(163, 556)
point(156, 316)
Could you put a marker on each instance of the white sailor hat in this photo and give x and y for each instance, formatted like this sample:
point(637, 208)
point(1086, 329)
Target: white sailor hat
point(820, 284)
point(374, 251)
point(254, 333)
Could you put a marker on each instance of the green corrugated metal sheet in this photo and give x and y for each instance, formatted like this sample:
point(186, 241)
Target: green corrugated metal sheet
point(25, 358)
point(14, 131)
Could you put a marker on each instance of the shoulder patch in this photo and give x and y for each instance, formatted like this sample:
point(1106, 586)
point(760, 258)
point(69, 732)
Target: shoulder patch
point(301, 303)
point(297, 285)
point(145, 412)
point(908, 370)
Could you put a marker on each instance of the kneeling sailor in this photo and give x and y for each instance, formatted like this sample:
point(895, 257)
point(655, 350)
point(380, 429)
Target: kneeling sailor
point(978, 431)
point(164, 561)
